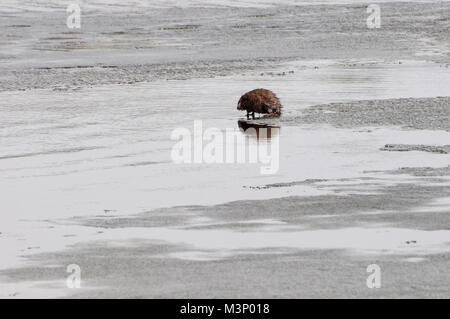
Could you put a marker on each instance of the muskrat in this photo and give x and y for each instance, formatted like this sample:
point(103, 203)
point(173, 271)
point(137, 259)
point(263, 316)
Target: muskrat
point(260, 101)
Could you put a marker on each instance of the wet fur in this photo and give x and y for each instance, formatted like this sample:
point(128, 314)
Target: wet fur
point(260, 101)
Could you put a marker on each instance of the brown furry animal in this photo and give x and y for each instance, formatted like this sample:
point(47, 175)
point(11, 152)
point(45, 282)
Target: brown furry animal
point(260, 101)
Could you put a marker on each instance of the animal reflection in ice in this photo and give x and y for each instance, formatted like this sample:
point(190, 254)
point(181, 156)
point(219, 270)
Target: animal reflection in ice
point(258, 130)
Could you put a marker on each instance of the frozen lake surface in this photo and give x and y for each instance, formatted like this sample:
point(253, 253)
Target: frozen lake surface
point(107, 149)
point(86, 173)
